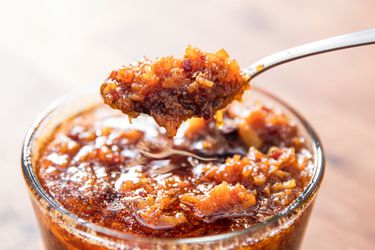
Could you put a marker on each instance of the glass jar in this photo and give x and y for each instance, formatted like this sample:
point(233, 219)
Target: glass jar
point(63, 230)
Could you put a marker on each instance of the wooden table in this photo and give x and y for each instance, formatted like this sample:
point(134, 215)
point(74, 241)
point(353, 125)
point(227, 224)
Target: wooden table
point(48, 48)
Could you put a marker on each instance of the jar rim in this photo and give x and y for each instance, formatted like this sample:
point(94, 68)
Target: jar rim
point(309, 191)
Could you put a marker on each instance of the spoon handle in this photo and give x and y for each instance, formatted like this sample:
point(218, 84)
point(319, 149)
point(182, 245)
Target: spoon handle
point(354, 39)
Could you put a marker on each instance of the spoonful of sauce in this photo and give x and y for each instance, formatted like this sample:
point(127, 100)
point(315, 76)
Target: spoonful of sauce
point(200, 84)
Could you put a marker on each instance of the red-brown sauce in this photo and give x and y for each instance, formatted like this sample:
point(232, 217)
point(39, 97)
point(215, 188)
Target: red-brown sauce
point(93, 168)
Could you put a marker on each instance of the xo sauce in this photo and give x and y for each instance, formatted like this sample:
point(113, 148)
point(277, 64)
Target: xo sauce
point(93, 168)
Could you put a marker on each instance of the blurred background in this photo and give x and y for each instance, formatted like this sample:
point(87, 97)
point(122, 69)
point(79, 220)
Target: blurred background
point(48, 48)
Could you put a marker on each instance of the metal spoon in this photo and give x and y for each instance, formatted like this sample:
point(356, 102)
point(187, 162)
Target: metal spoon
point(360, 38)
point(355, 39)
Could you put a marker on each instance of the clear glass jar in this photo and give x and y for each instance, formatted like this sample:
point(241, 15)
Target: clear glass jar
point(63, 230)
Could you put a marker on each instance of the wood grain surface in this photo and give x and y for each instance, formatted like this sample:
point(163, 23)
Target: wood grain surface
point(48, 48)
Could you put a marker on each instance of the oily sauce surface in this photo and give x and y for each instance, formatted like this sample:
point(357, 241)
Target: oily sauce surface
point(93, 168)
